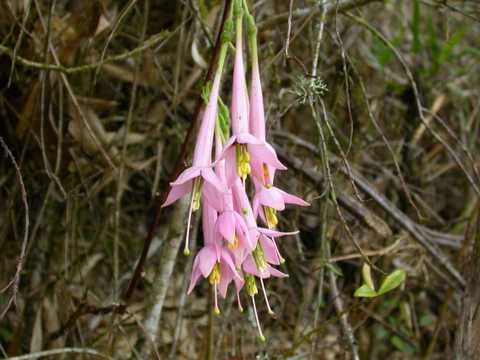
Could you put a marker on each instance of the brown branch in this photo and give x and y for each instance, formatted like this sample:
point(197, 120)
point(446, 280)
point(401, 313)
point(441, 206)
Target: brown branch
point(14, 283)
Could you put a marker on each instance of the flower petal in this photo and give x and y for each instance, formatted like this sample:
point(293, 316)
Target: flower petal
point(186, 175)
point(275, 272)
point(271, 198)
point(275, 233)
point(246, 138)
point(207, 259)
point(177, 192)
point(264, 152)
point(209, 175)
point(226, 226)
point(213, 196)
point(270, 250)
point(292, 199)
point(195, 275)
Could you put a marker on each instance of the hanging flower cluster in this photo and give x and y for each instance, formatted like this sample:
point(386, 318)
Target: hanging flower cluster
point(235, 247)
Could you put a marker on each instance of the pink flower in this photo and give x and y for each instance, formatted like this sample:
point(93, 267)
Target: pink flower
point(213, 261)
point(191, 179)
point(268, 198)
point(242, 146)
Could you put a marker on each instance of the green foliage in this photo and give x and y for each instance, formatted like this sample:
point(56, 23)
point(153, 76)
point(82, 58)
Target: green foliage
point(392, 281)
point(417, 45)
point(205, 92)
point(224, 119)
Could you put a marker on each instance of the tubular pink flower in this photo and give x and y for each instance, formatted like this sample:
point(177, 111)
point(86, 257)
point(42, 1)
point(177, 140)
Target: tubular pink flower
point(243, 147)
point(192, 178)
point(213, 261)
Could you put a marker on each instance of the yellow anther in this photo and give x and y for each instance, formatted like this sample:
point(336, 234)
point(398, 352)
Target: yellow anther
point(197, 194)
point(259, 257)
point(235, 243)
point(214, 277)
point(271, 216)
point(251, 285)
point(243, 161)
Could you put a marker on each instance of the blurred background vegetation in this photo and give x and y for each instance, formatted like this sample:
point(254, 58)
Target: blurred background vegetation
point(374, 105)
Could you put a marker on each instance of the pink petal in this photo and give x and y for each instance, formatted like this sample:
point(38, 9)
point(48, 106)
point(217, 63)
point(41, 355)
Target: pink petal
point(231, 166)
point(246, 138)
point(207, 259)
point(275, 233)
point(202, 155)
point(212, 178)
point(250, 267)
point(195, 275)
point(265, 153)
point(213, 196)
point(226, 226)
point(257, 115)
point(227, 260)
point(270, 250)
point(209, 218)
point(272, 198)
point(178, 191)
point(292, 199)
point(225, 280)
point(275, 272)
point(186, 175)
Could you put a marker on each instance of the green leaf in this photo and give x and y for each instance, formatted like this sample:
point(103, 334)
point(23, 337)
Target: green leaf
point(206, 91)
point(224, 117)
point(427, 320)
point(417, 45)
point(402, 345)
point(365, 291)
point(334, 268)
point(392, 281)
point(447, 49)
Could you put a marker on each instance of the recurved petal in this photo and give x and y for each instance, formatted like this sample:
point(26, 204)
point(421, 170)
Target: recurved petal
point(176, 192)
point(246, 138)
point(276, 273)
point(264, 152)
point(186, 175)
point(195, 275)
point(270, 250)
point(292, 199)
point(207, 259)
point(275, 233)
point(271, 198)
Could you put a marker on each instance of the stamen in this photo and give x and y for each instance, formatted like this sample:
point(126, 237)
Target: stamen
point(262, 338)
point(194, 206)
point(259, 257)
point(186, 250)
point(240, 307)
point(243, 161)
point(280, 257)
point(216, 310)
point(270, 311)
point(235, 243)
point(271, 217)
